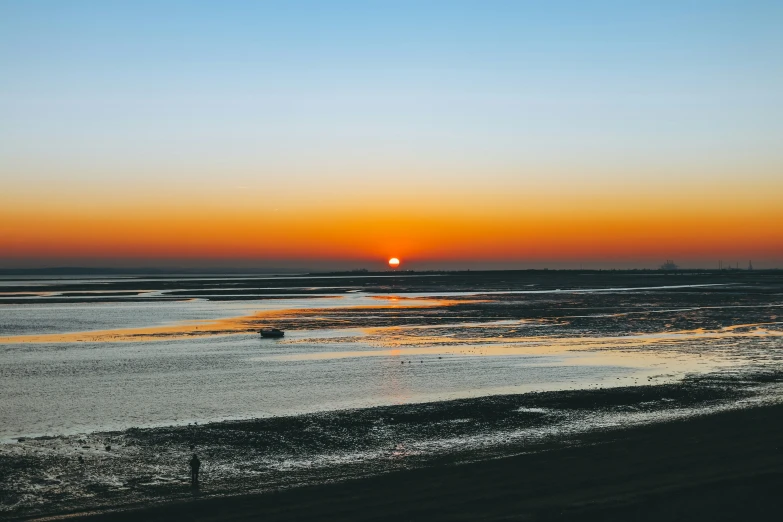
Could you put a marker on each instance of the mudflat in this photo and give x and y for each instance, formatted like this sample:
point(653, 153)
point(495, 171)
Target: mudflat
point(516, 395)
point(724, 466)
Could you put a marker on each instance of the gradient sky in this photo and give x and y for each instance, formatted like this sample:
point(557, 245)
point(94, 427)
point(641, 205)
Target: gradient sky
point(338, 134)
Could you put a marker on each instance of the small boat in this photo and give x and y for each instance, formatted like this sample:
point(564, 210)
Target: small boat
point(271, 333)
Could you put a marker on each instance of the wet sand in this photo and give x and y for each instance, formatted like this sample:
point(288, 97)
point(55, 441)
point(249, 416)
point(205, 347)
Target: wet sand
point(699, 446)
point(227, 288)
point(534, 454)
point(726, 466)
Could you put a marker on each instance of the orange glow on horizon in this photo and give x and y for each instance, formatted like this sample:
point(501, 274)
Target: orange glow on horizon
point(474, 227)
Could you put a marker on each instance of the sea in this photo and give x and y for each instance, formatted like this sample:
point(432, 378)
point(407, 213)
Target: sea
point(79, 355)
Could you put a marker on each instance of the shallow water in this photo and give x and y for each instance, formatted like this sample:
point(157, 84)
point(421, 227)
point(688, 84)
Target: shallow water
point(59, 389)
point(54, 387)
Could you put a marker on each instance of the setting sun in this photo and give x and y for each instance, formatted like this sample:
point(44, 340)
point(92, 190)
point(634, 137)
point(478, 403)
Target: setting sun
point(394, 262)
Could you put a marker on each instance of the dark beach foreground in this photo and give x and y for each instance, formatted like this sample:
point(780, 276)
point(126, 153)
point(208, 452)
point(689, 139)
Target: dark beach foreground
point(724, 466)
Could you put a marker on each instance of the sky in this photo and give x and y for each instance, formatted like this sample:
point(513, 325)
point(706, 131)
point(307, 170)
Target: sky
point(449, 134)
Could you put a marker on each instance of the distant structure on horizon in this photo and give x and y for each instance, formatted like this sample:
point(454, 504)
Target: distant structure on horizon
point(750, 265)
point(669, 265)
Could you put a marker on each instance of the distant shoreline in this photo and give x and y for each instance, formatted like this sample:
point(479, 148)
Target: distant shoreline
point(231, 272)
point(109, 271)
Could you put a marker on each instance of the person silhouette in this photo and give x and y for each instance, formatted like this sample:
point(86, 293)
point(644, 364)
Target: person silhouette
point(195, 464)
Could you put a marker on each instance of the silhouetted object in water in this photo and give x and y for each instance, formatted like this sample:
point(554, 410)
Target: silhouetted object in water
point(273, 333)
point(195, 464)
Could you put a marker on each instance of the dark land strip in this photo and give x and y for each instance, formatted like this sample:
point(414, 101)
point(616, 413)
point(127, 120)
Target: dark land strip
point(726, 466)
point(760, 281)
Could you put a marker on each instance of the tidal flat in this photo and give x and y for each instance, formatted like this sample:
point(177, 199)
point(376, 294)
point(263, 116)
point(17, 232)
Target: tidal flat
point(110, 384)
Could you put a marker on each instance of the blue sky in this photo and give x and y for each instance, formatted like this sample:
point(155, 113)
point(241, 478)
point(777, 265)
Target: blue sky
point(436, 76)
point(492, 96)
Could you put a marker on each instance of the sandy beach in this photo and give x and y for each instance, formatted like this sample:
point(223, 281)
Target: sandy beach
point(726, 466)
point(646, 451)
